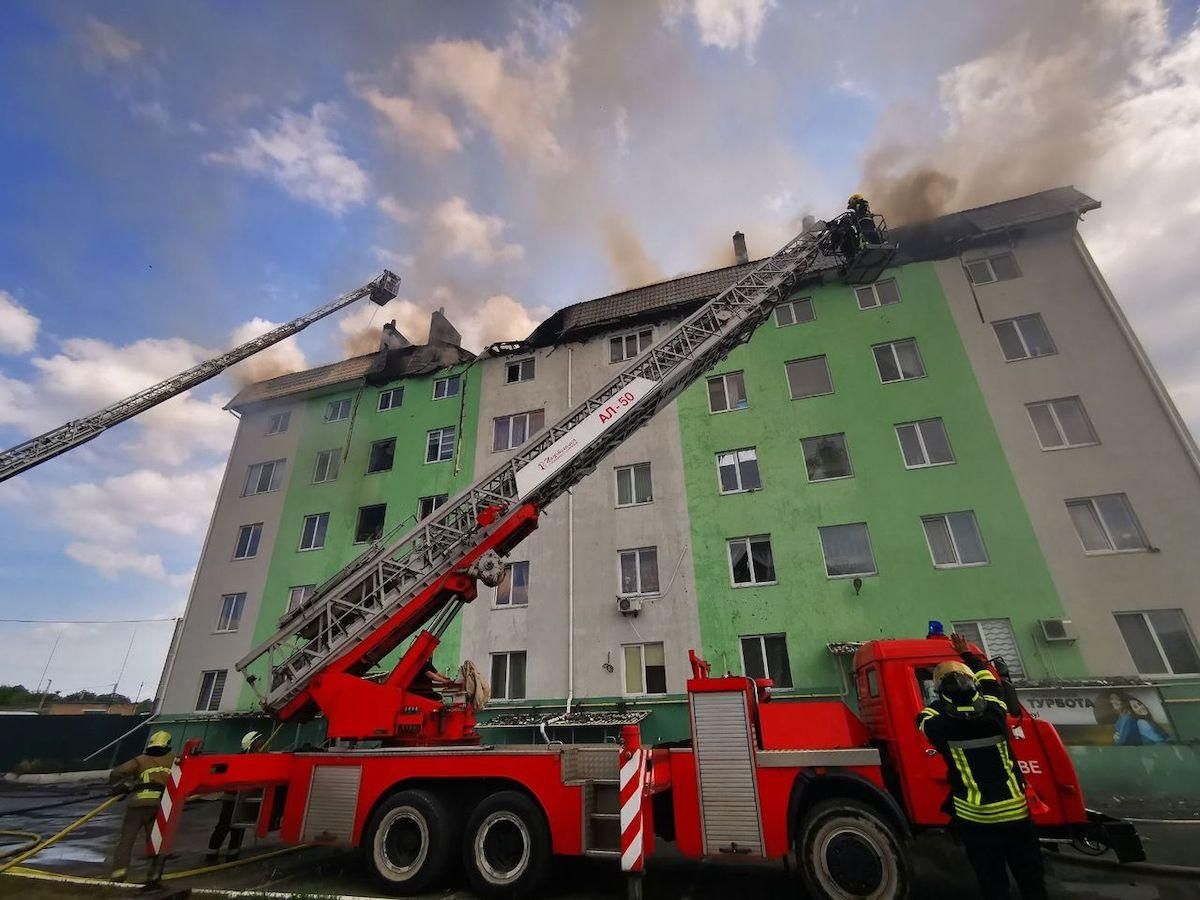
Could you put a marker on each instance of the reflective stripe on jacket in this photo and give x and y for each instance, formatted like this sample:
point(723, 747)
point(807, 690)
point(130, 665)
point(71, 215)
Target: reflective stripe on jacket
point(149, 776)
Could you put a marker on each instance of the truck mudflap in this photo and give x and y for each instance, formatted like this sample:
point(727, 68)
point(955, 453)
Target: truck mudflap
point(1103, 832)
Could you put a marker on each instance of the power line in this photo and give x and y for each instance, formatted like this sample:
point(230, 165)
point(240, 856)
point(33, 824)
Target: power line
point(85, 621)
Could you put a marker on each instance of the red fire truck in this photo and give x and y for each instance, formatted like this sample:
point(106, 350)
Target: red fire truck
point(408, 780)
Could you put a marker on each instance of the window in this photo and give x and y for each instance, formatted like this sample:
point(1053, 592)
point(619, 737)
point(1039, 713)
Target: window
point(627, 346)
point(737, 471)
point(382, 455)
point(726, 392)
point(766, 656)
point(263, 477)
point(995, 638)
point(231, 612)
point(370, 523)
point(391, 399)
point(954, 540)
point(645, 669)
point(439, 445)
point(312, 536)
point(328, 463)
point(1106, 524)
point(508, 675)
point(826, 457)
point(1061, 424)
point(212, 685)
point(633, 485)
point(847, 550)
point(809, 377)
point(994, 268)
point(1023, 338)
point(337, 410)
point(509, 432)
point(247, 542)
point(924, 444)
point(278, 423)
point(881, 293)
point(1160, 642)
point(521, 370)
point(639, 570)
point(513, 589)
point(426, 505)
point(898, 361)
point(794, 312)
point(447, 387)
point(298, 594)
point(751, 560)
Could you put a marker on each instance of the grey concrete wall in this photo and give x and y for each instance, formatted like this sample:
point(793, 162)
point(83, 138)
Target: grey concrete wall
point(1140, 453)
point(600, 531)
point(198, 646)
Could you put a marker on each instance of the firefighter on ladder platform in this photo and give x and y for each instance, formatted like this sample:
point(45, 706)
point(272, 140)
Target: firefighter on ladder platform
point(987, 805)
point(145, 777)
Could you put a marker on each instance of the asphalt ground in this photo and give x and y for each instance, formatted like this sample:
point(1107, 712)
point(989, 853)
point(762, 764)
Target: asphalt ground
point(939, 867)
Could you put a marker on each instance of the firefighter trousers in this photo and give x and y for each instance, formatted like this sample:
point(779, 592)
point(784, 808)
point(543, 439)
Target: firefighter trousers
point(1014, 846)
point(138, 819)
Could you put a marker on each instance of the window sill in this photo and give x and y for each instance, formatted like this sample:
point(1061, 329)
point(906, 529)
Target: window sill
point(309, 549)
point(632, 505)
point(243, 558)
point(903, 380)
point(944, 566)
point(434, 462)
point(836, 478)
point(1116, 552)
point(930, 465)
point(829, 577)
point(756, 490)
point(260, 493)
point(811, 396)
point(657, 595)
point(1070, 447)
point(376, 472)
point(753, 584)
point(1027, 358)
point(502, 606)
point(226, 631)
point(717, 412)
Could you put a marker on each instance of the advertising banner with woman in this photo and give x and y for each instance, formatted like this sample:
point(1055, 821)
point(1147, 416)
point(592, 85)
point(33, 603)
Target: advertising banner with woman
point(1126, 716)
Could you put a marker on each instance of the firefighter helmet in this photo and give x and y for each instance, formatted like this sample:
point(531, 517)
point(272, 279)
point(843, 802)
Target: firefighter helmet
point(855, 199)
point(250, 738)
point(160, 740)
point(945, 668)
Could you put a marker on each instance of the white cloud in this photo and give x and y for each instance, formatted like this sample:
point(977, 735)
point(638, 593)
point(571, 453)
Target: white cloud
point(111, 562)
point(280, 359)
point(105, 42)
point(18, 326)
point(458, 230)
point(396, 210)
point(302, 154)
point(726, 24)
point(417, 125)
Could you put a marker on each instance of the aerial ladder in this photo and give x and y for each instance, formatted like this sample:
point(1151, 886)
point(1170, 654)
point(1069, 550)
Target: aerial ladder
point(43, 447)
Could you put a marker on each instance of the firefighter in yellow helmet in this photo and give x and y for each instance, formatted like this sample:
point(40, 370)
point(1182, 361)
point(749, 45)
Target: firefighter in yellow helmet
point(143, 778)
point(987, 806)
point(863, 219)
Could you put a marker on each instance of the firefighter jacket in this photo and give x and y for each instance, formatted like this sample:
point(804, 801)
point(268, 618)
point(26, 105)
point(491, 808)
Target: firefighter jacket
point(148, 776)
point(986, 786)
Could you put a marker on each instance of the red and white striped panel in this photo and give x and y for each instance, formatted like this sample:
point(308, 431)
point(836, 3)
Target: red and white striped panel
point(162, 819)
point(633, 783)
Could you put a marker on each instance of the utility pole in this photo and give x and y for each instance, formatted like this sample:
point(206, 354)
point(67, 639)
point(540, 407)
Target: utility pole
point(120, 674)
point(46, 668)
point(44, 693)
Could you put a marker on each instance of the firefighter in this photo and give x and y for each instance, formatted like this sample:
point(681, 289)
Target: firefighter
point(864, 221)
point(252, 742)
point(987, 805)
point(145, 778)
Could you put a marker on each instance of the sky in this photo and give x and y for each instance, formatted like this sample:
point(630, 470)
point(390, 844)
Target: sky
point(175, 178)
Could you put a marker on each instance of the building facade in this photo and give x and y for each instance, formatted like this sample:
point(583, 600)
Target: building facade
point(977, 438)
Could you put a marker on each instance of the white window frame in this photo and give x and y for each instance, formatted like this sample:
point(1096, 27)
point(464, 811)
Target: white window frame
point(345, 403)
point(358, 522)
point(210, 689)
point(371, 452)
point(1049, 405)
point(278, 422)
point(873, 288)
point(295, 601)
point(791, 306)
point(945, 519)
point(762, 650)
point(229, 616)
point(623, 338)
point(916, 426)
point(638, 551)
point(529, 433)
point(747, 541)
point(441, 433)
point(435, 502)
point(725, 391)
point(644, 692)
point(444, 385)
point(987, 260)
point(395, 399)
point(518, 366)
point(1162, 652)
point(497, 603)
point(508, 654)
point(891, 345)
point(787, 378)
point(1016, 323)
point(1112, 544)
point(737, 466)
point(631, 469)
point(870, 548)
point(845, 447)
point(255, 539)
point(304, 528)
point(274, 481)
point(1019, 670)
point(333, 461)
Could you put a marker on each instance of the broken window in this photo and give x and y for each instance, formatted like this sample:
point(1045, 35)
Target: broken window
point(826, 457)
point(521, 370)
point(381, 456)
point(809, 377)
point(370, 523)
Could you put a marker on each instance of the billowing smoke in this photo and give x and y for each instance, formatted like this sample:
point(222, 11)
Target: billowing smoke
point(281, 359)
point(626, 256)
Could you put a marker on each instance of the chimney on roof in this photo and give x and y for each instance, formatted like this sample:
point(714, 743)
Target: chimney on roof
point(440, 329)
point(739, 247)
point(808, 223)
point(391, 339)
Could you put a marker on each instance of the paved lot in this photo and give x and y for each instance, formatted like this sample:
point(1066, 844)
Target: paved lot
point(940, 868)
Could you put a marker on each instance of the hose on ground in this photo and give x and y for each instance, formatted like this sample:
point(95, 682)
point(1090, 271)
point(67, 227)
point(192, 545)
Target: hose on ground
point(28, 837)
point(38, 848)
point(24, 871)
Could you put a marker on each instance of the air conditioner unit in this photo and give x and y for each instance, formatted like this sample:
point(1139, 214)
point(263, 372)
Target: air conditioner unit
point(629, 606)
point(1057, 631)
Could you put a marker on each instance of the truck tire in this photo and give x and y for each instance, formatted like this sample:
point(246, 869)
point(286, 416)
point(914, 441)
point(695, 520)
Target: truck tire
point(847, 850)
point(410, 841)
point(506, 845)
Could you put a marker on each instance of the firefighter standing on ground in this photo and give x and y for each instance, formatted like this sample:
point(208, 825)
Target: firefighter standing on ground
point(252, 742)
point(987, 805)
point(144, 778)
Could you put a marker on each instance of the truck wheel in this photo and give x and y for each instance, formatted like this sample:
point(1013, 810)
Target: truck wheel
point(410, 841)
point(506, 846)
point(848, 851)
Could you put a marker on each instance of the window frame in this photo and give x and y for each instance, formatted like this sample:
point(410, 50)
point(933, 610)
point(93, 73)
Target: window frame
point(371, 456)
point(725, 392)
point(1095, 508)
point(435, 505)
point(273, 484)
point(737, 464)
point(631, 468)
point(621, 592)
point(873, 288)
point(212, 688)
point(519, 365)
point(456, 379)
point(1049, 404)
point(441, 432)
point(304, 528)
point(508, 654)
point(510, 418)
point(845, 449)
point(358, 523)
point(762, 649)
point(277, 423)
point(977, 624)
point(791, 305)
point(870, 548)
point(333, 461)
point(828, 375)
point(1016, 323)
point(509, 567)
point(636, 334)
point(391, 394)
point(916, 426)
point(329, 407)
point(1158, 646)
point(311, 589)
point(967, 263)
point(230, 604)
point(644, 692)
point(945, 518)
point(891, 345)
point(749, 540)
point(256, 540)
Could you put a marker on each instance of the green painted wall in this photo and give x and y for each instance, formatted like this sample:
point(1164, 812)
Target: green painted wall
point(811, 608)
point(409, 479)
